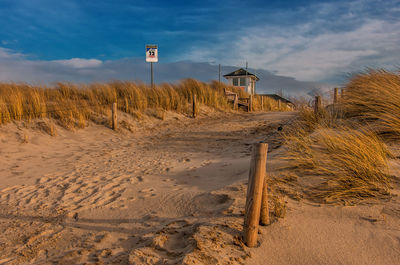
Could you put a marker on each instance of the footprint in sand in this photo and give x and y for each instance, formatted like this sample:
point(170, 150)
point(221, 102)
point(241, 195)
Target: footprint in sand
point(174, 240)
point(168, 180)
point(140, 178)
point(148, 192)
point(205, 163)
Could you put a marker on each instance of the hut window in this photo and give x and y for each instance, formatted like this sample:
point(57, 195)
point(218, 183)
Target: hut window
point(243, 81)
point(235, 81)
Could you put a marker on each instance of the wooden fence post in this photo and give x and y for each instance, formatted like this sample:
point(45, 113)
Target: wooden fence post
point(250, 107)
point(341, 93)
point(194, 106)
point(264, 215)
point(254, 193)
point(114, 116)
point(279, 104)
point(235, 102)
point(335, 95)
point(262, 102)
point(317, 104)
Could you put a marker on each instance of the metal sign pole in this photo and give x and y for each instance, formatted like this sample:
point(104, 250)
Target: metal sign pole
point(152, 84)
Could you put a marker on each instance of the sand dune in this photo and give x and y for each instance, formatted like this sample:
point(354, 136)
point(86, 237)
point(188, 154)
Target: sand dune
point(170, 192)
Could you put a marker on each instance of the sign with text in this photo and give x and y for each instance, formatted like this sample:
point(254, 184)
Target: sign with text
point(151, 53)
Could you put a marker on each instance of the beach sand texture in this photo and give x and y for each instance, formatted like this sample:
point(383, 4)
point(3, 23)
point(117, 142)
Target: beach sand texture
point(170, 192)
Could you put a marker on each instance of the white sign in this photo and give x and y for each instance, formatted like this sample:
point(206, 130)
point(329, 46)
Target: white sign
point(151, 53)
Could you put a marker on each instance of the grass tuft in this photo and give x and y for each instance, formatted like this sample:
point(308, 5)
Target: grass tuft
point(73, 105)
point(343, 147)
point(374, 97)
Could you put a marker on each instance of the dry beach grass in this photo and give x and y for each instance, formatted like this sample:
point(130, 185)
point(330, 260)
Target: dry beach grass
point(73, 105)
point(346, 143)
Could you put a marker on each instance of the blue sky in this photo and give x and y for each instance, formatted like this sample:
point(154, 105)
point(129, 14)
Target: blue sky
point(307, 41)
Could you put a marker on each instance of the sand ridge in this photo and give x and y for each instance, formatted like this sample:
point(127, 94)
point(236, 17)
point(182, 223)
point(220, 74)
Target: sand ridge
point(170, 192)
point(151, 196)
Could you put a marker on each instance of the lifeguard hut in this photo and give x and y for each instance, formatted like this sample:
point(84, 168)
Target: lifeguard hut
point(243, 79)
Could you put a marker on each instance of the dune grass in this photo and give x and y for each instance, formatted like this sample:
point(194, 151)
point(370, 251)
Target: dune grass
point(353, 162)
point(269, 104)
point(374, 97)
point(345, 145)
point(72, 105)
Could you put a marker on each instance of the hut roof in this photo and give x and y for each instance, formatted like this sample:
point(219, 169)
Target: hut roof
point(241, 72)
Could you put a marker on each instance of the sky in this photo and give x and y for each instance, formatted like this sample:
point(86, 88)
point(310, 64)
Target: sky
point(291, 45)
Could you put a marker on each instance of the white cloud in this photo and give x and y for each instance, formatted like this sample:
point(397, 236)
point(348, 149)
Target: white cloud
point(6, 54)
point(15, 67)
point(80, 63)
point(303, 53)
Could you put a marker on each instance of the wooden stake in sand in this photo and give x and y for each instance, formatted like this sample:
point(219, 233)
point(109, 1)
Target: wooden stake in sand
point(194, 106)
point(235, 103)
point(262, 102)
point(335, 95)
point(114, 116)
point(317, 104)
point(279, 104)
point(341, 93)
point(264, 215)
point(250, 106)
point(254, 193)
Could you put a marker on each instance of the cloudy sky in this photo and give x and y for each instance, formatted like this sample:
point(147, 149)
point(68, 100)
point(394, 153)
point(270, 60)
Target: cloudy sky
point(291, 45)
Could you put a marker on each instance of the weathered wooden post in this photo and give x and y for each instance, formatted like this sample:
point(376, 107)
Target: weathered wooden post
point(335, 95)
point(235, 102)
point(254, 193)
point(262, 102)
point(341, 93)
point(194, 106)
point(317, 104)
point(264, 214)
point(250, 107)
point(279, 104)
point(114, 116)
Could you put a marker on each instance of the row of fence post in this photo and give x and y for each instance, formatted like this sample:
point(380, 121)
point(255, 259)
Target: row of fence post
point(318, 102)
point(114, 117)
point(195, 108)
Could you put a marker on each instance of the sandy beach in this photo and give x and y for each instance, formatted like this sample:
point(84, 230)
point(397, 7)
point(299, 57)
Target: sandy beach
point(171, 192)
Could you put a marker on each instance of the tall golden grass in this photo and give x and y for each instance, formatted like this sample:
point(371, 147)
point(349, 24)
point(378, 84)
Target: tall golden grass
point(269, 104)
point(72, 105)
point(353, 162)
point(345, 144)
point(374, 97)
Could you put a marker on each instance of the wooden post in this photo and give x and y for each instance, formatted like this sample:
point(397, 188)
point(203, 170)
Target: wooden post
point(264, 215)
point(279, 104)
point(262, 102)
point(341, 93)
point(254, 193)
point(235, 102)
point(335, 95)
point(114, 116)
point(317, 104)
point(194, 106)
point(250, 107)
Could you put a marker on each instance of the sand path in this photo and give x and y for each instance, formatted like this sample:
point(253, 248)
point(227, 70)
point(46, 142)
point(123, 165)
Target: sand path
point(99, 196)
point(170, 192)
